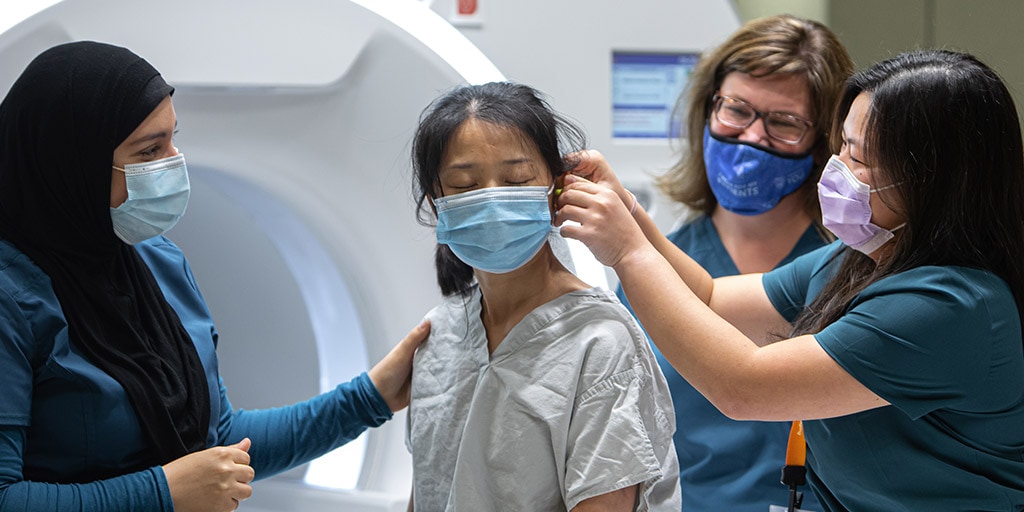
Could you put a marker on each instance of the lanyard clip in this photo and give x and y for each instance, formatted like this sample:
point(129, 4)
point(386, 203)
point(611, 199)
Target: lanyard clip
point(794, 473)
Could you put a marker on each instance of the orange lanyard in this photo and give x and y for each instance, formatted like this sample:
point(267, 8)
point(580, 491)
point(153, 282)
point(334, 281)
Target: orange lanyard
point(794, 473)
point(796, 450)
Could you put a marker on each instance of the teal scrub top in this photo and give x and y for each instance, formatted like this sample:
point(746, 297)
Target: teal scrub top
point(66, 426)
point(725, 464)
point(943, 346)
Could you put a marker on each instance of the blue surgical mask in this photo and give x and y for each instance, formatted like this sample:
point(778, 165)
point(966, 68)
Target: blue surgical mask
point(748, 179)
point(157, 196)
point(495, 229)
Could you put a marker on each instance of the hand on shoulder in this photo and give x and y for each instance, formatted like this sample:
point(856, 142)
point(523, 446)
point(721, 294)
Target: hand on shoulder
point(392, 376)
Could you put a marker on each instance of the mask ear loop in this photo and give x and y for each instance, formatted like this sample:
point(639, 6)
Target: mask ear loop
point(555, 190)
point(887, 187)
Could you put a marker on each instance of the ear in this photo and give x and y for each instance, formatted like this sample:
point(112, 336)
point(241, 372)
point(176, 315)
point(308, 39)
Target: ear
point(559, 184)
point(555, 192)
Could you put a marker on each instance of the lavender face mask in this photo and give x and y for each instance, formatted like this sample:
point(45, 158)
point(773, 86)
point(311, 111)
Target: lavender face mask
point(846, 208)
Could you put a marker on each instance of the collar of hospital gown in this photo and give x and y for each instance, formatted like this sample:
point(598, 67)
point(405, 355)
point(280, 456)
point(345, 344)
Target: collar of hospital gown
point(570, 405)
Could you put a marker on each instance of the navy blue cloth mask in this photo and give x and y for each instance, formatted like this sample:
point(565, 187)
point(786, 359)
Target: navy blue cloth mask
point(748, 179)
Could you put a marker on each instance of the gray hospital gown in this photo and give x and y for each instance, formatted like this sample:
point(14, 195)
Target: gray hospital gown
point(570, 405)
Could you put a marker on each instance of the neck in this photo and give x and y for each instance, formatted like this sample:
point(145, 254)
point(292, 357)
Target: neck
point(757, 243)
point(509, 297)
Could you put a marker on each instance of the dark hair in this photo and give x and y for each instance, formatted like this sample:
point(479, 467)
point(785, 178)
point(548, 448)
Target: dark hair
point(770, 46)
point(943, 127)
point(504, 104)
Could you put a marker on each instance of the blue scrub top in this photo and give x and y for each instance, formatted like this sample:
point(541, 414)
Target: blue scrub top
point(82, 423)
point(725, 464)
point(943, 346)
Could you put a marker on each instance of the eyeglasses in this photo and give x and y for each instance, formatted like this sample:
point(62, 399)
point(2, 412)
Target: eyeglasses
point(738, 114)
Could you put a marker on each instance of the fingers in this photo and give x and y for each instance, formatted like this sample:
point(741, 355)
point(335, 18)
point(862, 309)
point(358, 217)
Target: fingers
point(592, 165)
point(239, 452)
point(587, 162)
point(392, 376)
point(244, 444)
point(416, 336)
point(243, 490)
point(215, 479)
point(584, 195)
point(242, 472)
point(402, 354)
point(596, 215)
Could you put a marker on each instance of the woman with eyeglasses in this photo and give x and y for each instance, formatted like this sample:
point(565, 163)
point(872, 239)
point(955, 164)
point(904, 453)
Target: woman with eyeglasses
point(757, 110)
point(898, 345)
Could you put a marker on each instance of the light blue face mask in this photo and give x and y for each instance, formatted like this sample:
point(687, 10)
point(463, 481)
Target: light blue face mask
point(157, 196)
point(749, 180)
point(495, 229)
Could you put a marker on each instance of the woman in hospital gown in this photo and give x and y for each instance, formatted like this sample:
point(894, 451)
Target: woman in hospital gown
point(534, 390)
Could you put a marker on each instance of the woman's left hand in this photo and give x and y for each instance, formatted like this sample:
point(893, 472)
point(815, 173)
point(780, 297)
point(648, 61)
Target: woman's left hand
point(392, 376)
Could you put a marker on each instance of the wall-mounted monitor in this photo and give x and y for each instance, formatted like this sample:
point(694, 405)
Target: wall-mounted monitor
point(645, 87)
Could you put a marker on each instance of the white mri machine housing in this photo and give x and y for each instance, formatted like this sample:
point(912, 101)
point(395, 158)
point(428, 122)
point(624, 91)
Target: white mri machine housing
point(296, 119)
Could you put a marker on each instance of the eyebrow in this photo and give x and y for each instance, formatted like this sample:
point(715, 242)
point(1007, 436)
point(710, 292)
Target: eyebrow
point(514, 161)
point(154, 135)
point(470, 165)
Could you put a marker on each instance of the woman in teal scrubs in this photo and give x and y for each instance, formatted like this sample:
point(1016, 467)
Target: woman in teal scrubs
point(110, 396)
point(899, 344)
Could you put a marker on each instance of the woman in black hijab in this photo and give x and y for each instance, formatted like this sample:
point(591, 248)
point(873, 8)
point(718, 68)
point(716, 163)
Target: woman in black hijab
point(108, 351)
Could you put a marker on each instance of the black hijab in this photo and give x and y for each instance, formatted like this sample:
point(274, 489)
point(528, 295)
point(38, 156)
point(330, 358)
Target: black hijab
point(59, 126)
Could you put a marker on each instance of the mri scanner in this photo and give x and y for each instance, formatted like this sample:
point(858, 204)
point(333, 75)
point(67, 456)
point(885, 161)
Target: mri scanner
point(296, 118)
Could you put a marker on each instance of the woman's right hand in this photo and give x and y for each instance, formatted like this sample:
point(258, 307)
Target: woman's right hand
point(212, 480)
point(599, 219)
